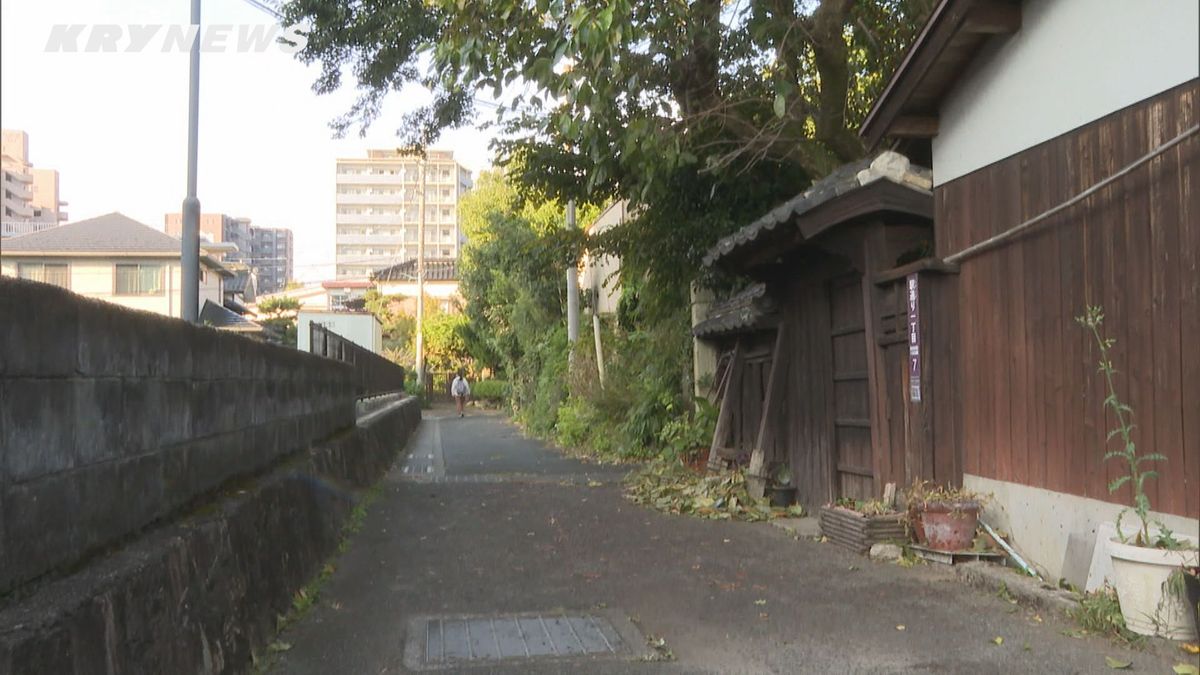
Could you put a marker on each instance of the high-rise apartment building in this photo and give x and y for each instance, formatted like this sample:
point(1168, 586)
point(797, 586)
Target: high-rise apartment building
point(267, 250)
point(378, 208)
point(219, 228)
point(271, 256)
point(30, 196)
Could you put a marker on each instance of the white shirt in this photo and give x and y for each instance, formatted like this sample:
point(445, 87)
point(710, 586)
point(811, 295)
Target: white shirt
point(460, 387)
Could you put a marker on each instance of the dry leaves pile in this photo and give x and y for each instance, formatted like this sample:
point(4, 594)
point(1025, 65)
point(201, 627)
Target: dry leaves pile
point(673, 488)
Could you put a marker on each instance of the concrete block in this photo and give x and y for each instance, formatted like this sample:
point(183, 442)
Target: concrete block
point(1026, 590)
point(40, 335)
point(176, 412)
point(205, 408)
point(109, 340)
point(38, 652)
point(41, 526)
point(178, 354)
point(102, 429)
point(37, 419)
point(886, 552)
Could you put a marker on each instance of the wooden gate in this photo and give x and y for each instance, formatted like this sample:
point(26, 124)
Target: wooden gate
point(852, 449)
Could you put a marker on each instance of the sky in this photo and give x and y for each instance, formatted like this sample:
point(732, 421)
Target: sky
point(114, 125)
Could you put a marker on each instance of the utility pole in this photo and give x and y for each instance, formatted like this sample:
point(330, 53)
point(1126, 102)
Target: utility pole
point(572, 287)
point(421, 277)
point(190, 253)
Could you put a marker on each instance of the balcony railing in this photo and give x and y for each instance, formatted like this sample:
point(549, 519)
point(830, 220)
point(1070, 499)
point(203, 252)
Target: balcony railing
point(10, 228)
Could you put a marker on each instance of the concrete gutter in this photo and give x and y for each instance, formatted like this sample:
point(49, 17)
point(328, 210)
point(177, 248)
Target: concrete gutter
point(1024, 589)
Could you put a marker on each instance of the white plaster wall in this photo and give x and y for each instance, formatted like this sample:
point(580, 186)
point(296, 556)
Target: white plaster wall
point(363, 330)
point(1054, 530)
point(1072, 62)
point(600, 273)
point(442, 290)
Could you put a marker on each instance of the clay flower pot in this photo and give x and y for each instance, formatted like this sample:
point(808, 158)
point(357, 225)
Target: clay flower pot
point(1140, 576)
point(949, 526)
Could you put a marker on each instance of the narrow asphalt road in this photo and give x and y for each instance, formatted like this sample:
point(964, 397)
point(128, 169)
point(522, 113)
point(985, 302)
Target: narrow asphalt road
point(477, 521)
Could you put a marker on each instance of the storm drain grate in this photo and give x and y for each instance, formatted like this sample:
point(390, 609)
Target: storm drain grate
point(459, 639)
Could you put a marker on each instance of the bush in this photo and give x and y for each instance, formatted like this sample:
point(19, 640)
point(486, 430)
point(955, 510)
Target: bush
point(496, 391)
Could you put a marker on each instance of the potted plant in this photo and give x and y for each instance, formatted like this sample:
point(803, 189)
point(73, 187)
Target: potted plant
point(1145, 563)
point(780, 490)
point(860, 524)
point(944, 517)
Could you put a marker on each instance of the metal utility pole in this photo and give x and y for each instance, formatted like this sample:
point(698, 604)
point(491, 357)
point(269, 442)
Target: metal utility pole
point(572, 285)
point(190, 253)
point(421, 278)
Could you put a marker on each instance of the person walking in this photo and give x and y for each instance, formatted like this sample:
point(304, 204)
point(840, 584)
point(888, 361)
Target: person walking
point(460, 390)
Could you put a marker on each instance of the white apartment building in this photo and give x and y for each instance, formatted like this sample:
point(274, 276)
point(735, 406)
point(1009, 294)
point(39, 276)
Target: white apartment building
point(378, 208)
point(30, 196)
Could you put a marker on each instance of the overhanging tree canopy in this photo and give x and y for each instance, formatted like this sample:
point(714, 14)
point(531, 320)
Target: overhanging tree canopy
point(694, 105)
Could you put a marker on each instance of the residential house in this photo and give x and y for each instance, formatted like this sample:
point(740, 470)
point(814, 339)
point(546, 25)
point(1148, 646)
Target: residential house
point(441, 283)
point(1063, 141)
point(112, 258)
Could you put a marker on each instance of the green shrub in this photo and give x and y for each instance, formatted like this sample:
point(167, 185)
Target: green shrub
point(496, 391)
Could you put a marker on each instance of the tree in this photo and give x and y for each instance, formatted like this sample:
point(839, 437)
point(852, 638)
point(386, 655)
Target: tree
point(280, 318)
point(279, 307)
point(704, 114)
point(446, 342)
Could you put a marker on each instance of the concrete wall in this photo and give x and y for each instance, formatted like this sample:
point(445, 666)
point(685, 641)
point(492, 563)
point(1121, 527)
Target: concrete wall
point(1072, 62)
point(1054, 530)
point(600, 274)
point(202, 594)
point(111, 419)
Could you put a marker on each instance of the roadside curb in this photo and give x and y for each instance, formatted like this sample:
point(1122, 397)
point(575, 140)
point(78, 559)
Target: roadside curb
point(1025, 590)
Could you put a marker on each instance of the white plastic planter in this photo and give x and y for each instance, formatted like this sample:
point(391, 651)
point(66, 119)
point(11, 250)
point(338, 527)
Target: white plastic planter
point(1140, 577)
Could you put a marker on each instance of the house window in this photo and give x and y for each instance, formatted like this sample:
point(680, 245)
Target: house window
point(59, 274)
point(139, 280)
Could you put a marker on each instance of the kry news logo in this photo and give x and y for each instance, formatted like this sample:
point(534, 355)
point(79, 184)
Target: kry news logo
point(133, 38)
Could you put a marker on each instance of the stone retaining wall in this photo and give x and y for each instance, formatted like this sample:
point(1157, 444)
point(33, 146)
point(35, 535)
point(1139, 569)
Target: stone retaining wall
point(202, 595)
point(112, 419)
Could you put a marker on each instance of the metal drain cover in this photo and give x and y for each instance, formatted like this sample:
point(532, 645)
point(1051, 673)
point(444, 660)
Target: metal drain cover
point(435, 642)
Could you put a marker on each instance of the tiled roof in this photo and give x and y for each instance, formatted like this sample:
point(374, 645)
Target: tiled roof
point(436, 269)
point(751, 308)
point(112, 233)
point(219, 317)
point(844, 179)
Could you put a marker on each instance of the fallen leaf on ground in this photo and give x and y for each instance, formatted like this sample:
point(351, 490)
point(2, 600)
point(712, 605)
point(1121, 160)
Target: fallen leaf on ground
point(997, 640)
point(760, 602)
point(279, 646)
point(900, 626)
point(594, 483)
point(1186, 669)
point(1190, 647)
point(1117, 664)
point(762, 615)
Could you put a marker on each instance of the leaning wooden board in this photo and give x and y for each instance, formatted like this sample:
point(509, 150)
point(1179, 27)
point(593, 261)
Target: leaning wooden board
point(859, 532)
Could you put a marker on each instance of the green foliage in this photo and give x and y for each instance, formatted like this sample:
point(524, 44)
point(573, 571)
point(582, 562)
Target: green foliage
point(497, 391)
point(446, 342)
point(702, 114)
point(689, 435)
point(1135, 476)
point(279, 307)
point(1099, 612)
point(279, 319)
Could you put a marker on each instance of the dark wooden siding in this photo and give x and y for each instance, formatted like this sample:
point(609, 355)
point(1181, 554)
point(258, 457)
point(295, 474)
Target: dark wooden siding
point(1032, 402)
